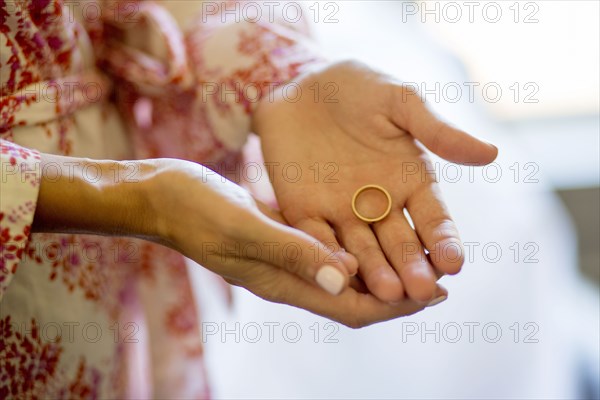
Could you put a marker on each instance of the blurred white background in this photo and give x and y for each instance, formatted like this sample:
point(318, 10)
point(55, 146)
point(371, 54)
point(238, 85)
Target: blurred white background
point(544, 299)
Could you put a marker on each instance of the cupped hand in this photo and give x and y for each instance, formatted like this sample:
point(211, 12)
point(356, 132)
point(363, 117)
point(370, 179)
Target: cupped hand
point(336, 129)
point(189, 208)
point(219, 225)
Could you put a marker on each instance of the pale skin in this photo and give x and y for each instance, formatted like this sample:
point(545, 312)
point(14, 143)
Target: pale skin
point(180, 205)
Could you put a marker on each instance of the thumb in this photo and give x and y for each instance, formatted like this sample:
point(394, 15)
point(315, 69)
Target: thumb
point(411, 113)
point(302, 255)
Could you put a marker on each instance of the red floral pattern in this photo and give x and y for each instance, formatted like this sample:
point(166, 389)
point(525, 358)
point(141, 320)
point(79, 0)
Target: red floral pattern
point(167, 102)
point(31, 368)
point(19, 168)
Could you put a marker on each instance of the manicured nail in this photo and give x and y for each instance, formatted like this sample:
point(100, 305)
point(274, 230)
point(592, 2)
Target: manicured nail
point(437, 301)
point(330, 279)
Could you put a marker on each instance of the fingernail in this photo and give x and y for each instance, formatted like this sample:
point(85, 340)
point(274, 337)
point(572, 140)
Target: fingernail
point(330, 279)
point(437, 301)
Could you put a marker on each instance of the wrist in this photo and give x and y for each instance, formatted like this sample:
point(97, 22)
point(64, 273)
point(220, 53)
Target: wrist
point(96, 197)
point(125, 200)
point(302, 89)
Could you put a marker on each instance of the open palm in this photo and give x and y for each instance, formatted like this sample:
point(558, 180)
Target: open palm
point(349, 126)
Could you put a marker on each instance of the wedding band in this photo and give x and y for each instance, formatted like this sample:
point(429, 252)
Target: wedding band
point(382, 216)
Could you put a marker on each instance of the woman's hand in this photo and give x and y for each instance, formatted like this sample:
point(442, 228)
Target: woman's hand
point(355, 307)
point(211, 220)
point(219, 225)
point(350, 127)
point(187, 207)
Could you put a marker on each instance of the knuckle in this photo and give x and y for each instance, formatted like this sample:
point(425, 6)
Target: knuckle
point(292, 256)
point(368, 251)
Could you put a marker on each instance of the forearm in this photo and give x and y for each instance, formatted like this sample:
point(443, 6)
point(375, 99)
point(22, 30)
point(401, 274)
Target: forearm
point(103, 197)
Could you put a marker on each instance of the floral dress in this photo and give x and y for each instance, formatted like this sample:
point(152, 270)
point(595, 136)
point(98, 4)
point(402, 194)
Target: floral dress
point(83, 316)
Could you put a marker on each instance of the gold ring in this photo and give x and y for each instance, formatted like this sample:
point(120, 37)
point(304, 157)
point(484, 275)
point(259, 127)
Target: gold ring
point(382, 216)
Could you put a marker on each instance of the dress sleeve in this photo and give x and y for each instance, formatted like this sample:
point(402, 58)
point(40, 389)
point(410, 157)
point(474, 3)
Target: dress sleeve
point(244, 61)
point(202, 69)
point(18, 197)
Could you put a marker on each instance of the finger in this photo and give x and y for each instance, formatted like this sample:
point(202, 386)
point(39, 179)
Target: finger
point(373, 267)
point(297, 252)
point(350, 308)
point(357, 284)
point(440, 295)
point(438, 274)
point(404, 250)
point(323, 232)
point(436, 229)
point(410, 113)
